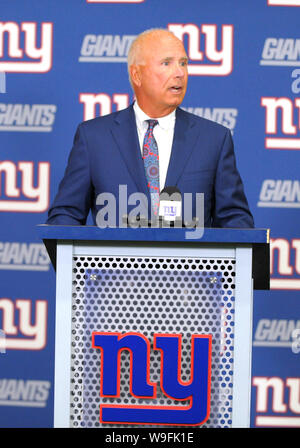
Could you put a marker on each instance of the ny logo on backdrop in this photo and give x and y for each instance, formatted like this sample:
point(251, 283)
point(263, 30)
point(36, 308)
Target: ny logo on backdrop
point(195, 393)
point(282, 125)
point(210, 51)
point(99, 104)
point(20, 51)
point(285, 263)
point(277, 402)
point(21, 193)
point(23, 331)
point(283, 2)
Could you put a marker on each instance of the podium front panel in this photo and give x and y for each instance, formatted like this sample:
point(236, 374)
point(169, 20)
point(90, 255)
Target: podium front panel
point(177, 291)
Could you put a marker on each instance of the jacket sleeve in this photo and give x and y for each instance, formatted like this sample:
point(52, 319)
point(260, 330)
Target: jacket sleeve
point(231, 207)
point(73, 201)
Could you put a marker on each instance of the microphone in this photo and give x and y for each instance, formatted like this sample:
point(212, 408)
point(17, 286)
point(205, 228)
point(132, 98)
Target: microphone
point(170, 205)
point(170, 212)
point(169, 215)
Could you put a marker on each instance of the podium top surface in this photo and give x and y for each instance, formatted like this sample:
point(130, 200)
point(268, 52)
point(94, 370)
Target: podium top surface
point(210, 235)
point(257, 238)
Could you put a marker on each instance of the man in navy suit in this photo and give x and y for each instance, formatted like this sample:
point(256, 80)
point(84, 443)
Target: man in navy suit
point(195, 155)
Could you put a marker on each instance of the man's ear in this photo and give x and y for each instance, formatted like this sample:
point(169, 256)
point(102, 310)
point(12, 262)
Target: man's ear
point(135, 75)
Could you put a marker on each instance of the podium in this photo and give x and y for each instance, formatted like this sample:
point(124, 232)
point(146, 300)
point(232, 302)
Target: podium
point(143, 314)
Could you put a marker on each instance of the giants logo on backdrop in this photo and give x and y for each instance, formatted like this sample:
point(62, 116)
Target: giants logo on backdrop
point(281, 52)
point(19, 50)
point(18, 256)
point(286, 133)
point(280, 193)
point(195, 392)
point(225, 115)
point(285, 263)
point(23, 324)
point(99, 104)
point(277, 402)
point(210, 50)
point(105, 48)
point(27, 393)
point(283, 2)
point(19, 193)
point(277, 333)
point(27, 117)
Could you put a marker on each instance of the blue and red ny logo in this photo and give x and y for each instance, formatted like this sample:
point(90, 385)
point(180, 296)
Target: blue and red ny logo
point(196, 391)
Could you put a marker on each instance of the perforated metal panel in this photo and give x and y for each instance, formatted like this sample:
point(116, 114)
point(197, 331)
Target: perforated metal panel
point(150, 295)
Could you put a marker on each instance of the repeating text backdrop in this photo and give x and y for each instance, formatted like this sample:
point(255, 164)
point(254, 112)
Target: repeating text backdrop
point(64, 61)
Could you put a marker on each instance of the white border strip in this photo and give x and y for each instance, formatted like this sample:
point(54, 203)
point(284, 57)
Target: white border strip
point(283, 143)
point(31, 404)
point(101, 59)
point(279, 204)
point(166, 251)
point(284, 283)
point(26, 128)
point(273, 344)
point(63, 322)
point(280, 63)
point(285, 422)
point(242, 339)
point(24, 267)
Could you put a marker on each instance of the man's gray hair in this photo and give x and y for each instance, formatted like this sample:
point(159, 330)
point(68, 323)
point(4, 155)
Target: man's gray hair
point(135, 53)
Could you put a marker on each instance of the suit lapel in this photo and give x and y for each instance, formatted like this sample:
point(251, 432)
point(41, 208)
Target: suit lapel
point(125, 133)
point(185, 135)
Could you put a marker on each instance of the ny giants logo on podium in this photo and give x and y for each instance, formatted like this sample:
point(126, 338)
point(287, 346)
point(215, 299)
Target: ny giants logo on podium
point(196, 391)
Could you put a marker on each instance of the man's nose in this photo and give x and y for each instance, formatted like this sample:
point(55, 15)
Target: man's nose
point(180, 71)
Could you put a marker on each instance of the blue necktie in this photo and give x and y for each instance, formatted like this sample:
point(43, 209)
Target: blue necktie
point(151, 163)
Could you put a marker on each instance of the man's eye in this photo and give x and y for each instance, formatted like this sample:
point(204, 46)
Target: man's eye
point(166, 62)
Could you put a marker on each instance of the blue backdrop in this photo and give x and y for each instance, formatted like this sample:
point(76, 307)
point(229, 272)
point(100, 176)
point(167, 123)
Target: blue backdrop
point(64, 61)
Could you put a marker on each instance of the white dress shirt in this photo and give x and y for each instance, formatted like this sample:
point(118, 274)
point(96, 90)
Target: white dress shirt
point(163, 133)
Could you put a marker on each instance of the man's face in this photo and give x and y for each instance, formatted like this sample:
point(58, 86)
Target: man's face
point(162, 80)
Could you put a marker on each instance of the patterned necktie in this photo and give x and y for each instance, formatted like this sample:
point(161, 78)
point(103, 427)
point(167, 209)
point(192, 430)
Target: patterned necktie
point(151, 163)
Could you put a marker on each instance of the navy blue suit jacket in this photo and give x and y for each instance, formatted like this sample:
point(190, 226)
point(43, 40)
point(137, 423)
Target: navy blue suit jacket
point(106, 154)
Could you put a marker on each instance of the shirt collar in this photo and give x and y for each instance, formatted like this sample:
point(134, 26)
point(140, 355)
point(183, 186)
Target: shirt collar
point(165, 123)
